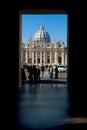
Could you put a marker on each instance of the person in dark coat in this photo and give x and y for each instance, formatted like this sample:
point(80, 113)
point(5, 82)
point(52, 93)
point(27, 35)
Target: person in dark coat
point(35, 74)
point(31, 72)
point(56, 73)
point(38, 73)
point(42, 70)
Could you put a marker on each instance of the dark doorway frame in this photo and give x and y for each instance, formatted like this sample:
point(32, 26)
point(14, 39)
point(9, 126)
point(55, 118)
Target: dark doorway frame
point(41, 11)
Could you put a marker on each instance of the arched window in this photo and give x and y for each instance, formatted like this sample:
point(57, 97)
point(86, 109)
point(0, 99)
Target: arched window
point(60, 46)
point(59, 60)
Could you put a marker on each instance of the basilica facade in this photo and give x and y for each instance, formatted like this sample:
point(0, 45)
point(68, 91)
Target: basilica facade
point(42, 51)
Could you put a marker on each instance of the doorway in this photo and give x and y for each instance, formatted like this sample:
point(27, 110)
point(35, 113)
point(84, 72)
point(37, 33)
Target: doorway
point(30, 56)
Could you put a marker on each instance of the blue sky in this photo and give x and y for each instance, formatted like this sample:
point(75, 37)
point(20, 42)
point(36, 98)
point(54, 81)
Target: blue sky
point(54, 24)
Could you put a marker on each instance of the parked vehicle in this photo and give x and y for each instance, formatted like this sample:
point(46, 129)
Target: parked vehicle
point(61, 68)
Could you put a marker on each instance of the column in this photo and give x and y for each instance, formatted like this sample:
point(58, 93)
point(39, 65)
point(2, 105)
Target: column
point(32, 57)
point(41, 58)
point(36, 57)
point(56, 57)
point(44, 58)
point(50, 57)
point(63, 57)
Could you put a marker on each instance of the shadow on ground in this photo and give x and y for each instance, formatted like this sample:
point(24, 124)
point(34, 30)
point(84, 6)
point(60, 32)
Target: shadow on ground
point(49, 81)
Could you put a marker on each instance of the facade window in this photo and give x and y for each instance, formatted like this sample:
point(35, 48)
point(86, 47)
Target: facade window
point(38, 60)
point(59, 46)
point(48, 60)
point(59, 60)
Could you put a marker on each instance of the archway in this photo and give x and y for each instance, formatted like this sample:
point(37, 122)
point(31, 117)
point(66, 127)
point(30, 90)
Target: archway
point(59, 60)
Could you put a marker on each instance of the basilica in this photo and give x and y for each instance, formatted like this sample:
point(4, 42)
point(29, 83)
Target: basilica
point(42, 51)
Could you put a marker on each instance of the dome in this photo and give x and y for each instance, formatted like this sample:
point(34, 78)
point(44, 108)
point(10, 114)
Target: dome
point(42, 35)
